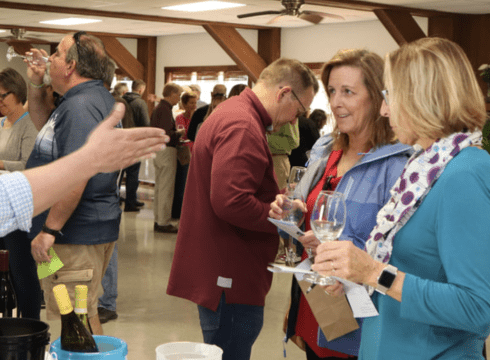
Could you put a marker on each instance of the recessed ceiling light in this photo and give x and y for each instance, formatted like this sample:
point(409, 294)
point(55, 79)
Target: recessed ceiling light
point(3, 30)
point(203, 6)
point(70, 21)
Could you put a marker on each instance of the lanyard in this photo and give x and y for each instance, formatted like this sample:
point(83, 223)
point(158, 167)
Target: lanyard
point(23, 115)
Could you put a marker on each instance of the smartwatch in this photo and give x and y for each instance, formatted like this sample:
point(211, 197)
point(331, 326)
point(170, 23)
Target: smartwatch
point(386, 279)
point(55, 233)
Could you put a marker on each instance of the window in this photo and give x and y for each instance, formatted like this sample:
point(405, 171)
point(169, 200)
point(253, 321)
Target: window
point(207, 78)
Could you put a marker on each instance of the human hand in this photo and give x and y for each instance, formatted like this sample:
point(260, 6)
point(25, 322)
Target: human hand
point(334, 290)
point(40, 246)
point(309, 241)
point(278, 206)
point(113, 148)
point(36, 69)
point(180, 132)
point(345, 260)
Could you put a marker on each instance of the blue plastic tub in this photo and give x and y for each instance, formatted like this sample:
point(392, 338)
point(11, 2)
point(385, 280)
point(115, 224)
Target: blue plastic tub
point(110, 348)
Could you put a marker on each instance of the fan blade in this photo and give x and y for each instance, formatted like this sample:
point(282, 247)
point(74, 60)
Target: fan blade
point(285, 18)
point(316, 17)
point(241, 16)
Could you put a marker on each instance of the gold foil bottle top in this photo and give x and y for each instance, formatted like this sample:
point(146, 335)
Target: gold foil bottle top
point(63, 299)
point(81, 293)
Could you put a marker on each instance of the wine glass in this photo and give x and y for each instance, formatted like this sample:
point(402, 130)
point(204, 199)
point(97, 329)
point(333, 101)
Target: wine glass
point(327, 222)
point(292, 211)
point(36, 60)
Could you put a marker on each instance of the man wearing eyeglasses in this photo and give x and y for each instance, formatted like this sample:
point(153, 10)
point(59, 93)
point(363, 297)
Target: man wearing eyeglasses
point(225, 242)
point(83, 227)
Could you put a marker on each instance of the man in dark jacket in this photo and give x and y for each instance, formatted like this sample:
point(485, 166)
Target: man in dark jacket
point(139, 108)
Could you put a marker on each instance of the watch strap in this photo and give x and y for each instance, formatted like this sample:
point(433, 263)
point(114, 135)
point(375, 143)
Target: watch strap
point(55, 233)
point(384, 286)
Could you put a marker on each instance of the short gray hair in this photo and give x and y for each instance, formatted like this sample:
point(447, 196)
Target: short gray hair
point(93, 62)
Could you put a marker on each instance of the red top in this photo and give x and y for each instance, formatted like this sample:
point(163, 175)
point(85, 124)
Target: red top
point(225, 241)
point(4, 260)
point(306, 325)
point(182, 120)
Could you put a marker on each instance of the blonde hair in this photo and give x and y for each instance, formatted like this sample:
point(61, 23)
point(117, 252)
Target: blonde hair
point(433, 87)
point(371, 66)
point(294, 72)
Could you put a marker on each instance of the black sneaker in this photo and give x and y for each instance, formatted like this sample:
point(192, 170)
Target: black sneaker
point(105, 315)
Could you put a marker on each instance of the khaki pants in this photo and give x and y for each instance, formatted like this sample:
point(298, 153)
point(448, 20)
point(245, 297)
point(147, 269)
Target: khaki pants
point(282, 167)
point(165, 170)
point(83, 265)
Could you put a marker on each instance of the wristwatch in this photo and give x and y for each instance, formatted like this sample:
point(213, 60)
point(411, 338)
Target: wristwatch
point(55, 233)
point(386, 279)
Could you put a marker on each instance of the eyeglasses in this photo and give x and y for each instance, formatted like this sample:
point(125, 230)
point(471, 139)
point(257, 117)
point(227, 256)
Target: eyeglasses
point(4, 95)
point(76, 37)
point(304, 109)
point(386, 96)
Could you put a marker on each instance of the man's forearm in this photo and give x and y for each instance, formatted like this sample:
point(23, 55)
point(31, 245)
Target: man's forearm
point(39, 109)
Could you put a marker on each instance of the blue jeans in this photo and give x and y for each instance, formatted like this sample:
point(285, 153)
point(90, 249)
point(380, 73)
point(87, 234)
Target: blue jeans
point(232, 327)
point(109, 283)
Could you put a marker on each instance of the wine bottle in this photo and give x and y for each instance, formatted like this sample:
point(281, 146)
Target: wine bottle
point(74, 335)
point(8, 300)
point(81, 292)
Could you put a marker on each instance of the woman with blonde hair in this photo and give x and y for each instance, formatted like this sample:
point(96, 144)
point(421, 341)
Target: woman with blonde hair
point(427, 257)
point(360, 159)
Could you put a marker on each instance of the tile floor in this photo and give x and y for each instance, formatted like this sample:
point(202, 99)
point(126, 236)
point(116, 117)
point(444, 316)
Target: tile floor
point(149, 317)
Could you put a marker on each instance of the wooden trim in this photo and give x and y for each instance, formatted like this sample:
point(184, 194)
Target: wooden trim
point(147, 56)
point(400, 24)
point(117, 15)
point(269, 45)
point(202, 68)
point(67, 31)
point(238, 49)
point(371, 6)
point(123, 58)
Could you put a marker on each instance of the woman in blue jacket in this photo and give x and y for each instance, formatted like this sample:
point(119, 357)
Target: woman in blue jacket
point(361, 159)
point(428, 255)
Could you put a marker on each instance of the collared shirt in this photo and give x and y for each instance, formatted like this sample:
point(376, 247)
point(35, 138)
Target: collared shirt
point(97, 215)
point(16, 204)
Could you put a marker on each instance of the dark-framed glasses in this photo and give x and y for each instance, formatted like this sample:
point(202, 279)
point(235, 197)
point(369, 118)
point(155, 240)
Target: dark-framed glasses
point(386, 96)
point(304, 108)
point(4, 95)
point(76, 37)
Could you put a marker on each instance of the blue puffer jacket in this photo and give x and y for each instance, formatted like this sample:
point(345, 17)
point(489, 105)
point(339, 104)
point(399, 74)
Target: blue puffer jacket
point(366, 187)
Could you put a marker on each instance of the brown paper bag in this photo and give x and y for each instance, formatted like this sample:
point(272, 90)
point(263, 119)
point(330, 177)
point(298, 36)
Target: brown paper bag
point(183, 154)
point(333, 314)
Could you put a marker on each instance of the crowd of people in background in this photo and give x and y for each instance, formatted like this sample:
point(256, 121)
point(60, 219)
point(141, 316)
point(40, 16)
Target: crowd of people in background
point(405, 152)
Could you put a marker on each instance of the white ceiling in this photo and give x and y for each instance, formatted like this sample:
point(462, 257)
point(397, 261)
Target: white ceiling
point(153, 8)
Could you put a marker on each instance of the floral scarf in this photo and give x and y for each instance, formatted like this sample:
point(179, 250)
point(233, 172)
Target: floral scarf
point(419, 175)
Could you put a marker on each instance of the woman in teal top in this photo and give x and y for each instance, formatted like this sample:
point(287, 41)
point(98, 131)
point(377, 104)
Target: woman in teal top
point(427, 257)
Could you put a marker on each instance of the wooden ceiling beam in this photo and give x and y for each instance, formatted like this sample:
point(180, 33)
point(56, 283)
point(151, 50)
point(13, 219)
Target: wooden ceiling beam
point(147, 56)
point(371, 6)
point(116, 14)
point(123, 58)
point(66, 31)
point(238, 49)
point(400, 24)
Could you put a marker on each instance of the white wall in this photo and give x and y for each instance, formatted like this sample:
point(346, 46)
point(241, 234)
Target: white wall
point(16, 63)
point(193, 50)
point(309, 44)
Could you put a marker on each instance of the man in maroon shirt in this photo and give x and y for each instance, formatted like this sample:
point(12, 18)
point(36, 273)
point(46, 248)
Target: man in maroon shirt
point(166, 160)
point(225, 241)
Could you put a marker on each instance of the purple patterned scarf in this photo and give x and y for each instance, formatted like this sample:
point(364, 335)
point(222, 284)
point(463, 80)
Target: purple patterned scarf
point(419, 175)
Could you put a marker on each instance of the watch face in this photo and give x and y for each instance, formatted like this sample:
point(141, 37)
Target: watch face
point(386, 279)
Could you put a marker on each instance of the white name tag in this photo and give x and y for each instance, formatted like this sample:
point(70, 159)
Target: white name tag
point(224, 282)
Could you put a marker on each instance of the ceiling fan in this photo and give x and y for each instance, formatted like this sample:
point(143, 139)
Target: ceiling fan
point(17, 35)
point(292, 9)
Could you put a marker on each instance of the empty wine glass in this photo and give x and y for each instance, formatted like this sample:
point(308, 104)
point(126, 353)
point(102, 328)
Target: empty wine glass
point(327, 222)
point(31, 58)
point(292, 209)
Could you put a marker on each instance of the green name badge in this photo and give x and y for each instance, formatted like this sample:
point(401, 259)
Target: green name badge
point(46, 268)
